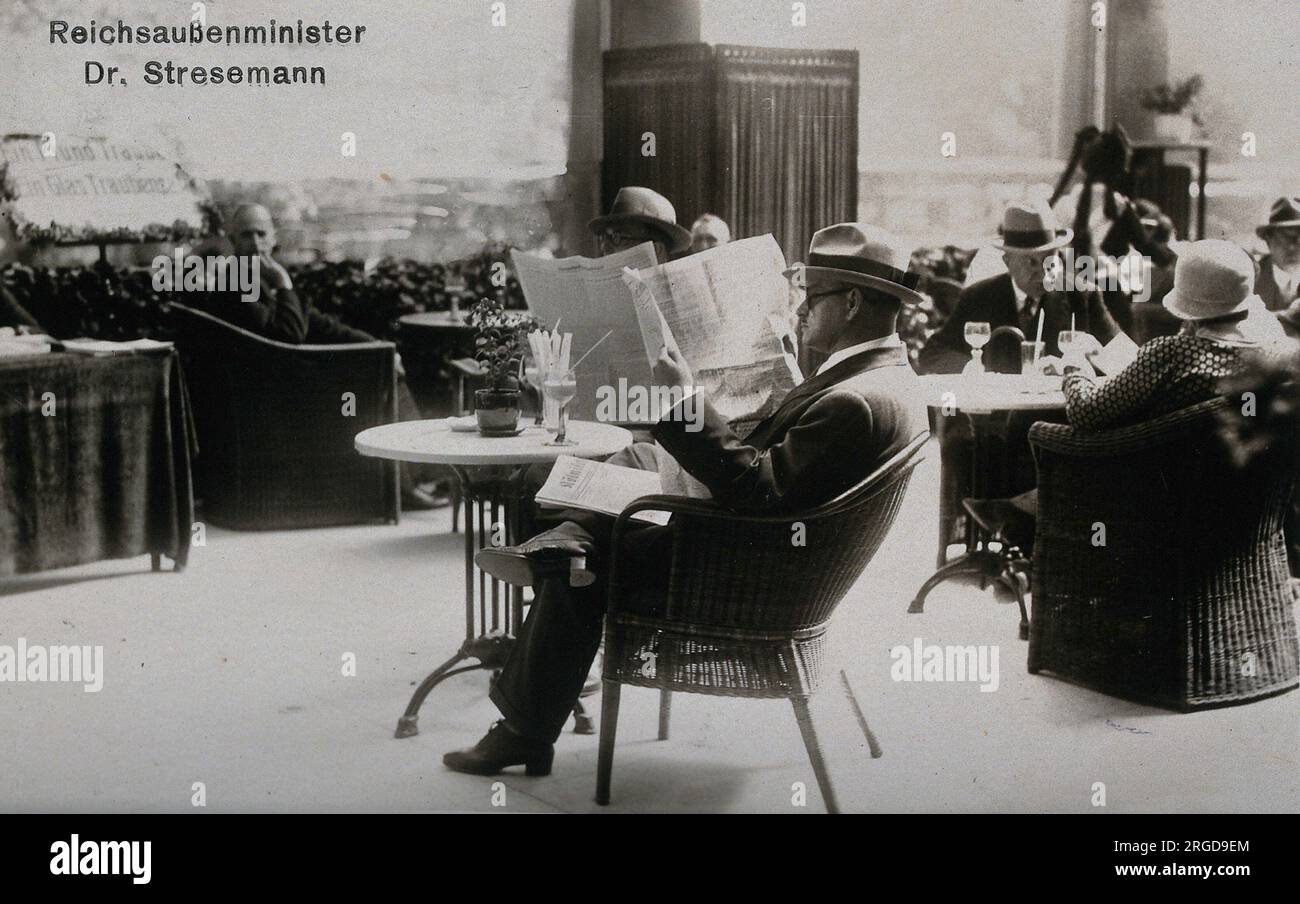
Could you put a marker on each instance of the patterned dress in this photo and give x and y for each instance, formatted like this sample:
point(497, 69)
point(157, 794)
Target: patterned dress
point(1169, 373)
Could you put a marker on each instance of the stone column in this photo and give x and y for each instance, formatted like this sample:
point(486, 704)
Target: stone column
point(648, 23)
point(581, 199)
point(1137, 59)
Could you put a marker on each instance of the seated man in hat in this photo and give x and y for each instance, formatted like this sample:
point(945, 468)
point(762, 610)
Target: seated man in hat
point(1030, 239)
point(1224, 325)
point(1029, 243)
point(1278, 282)
point(640, 215)
point(862, 407)
point(279, 314)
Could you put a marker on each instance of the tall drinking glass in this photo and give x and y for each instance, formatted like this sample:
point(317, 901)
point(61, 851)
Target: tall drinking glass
point(561, 388)
point(977, 336)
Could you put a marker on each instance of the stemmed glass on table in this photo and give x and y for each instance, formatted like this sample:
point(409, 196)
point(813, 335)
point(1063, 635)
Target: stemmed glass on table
point(560, 388)
point(977, 336)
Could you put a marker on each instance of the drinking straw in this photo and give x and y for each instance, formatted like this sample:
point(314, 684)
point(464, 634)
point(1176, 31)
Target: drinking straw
point(565, 347)
point(590, 350)
point(534, 342)
point(1071, 321)
point(1038, 338)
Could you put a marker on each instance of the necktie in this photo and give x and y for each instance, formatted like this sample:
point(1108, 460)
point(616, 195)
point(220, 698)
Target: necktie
point(1029, 317)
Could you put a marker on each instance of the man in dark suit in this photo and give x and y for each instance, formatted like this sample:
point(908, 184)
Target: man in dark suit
point(1029, 243)
point(862, 407)
point(1278, 281)
point(279, 314)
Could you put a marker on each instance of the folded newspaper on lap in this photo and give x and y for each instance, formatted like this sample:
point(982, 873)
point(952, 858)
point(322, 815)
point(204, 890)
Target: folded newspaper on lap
point(595, 486)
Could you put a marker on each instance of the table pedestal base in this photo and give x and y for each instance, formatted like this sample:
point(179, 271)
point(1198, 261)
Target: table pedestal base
point(492, 496)
point(1008, 567)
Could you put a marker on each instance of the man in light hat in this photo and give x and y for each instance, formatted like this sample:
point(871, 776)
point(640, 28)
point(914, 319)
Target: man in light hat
point(862, 407)
point(1278, 282)
point(1029, 241)
point(640, 215)
point(1224, 325)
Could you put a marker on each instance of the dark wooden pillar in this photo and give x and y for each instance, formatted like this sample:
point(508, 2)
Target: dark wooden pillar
point(765, 138)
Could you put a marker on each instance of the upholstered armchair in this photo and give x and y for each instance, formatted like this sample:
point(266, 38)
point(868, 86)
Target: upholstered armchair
point(276, 424)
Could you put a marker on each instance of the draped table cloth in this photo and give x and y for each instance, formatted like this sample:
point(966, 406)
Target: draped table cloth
point(94, 460)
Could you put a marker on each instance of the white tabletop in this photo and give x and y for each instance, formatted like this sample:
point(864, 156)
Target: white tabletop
point(986, 393)
point(434, 442)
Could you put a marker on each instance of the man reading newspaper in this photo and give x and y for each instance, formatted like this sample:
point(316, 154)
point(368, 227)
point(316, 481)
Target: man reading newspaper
point(861, 407)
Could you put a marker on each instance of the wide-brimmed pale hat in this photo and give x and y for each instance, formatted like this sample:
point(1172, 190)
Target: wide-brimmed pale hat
point(635, 204)
point(1284, 212)
point(1212, 278)
point(862, 255)
point(1030, 228)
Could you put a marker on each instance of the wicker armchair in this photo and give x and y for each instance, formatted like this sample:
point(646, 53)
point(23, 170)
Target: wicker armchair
point(747, 612)
point(1187, 603)
point(275, 449)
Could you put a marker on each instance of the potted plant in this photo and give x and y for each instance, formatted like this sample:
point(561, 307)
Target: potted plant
point(498, 347)
point(1172, 102)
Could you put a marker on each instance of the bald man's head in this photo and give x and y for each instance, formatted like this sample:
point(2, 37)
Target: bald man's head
point(251, 229)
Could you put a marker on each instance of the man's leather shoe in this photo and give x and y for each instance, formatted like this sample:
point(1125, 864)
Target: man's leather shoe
point(501, 748)
point(541, 557)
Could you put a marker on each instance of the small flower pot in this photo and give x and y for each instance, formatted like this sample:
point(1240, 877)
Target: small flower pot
point(1173, 127)
point(497, 411)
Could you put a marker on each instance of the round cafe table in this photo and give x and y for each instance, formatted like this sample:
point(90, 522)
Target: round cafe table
point(430, 341)
point(491, 473)
point(985, 400)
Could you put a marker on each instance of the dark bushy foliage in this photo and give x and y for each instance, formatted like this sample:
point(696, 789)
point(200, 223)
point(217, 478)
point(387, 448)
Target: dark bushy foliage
point(1265, 410)
point(103, 302)
point(943, 273)
point(98, 301)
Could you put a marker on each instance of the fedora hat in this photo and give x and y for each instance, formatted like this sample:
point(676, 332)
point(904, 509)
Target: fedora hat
point(1212, 278)
point(1029, 228)
point(1284, 212)
point(635, 204)
point(862, 255)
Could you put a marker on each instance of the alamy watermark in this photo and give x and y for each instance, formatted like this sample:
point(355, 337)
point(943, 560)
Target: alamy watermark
point(214, 273)
point(1066, 272)
point(637, 404)
point(25, 662)
point(931, 662)
point(75, 857)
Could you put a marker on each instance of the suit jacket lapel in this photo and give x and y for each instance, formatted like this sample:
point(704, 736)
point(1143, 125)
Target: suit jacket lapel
point(844, 370)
